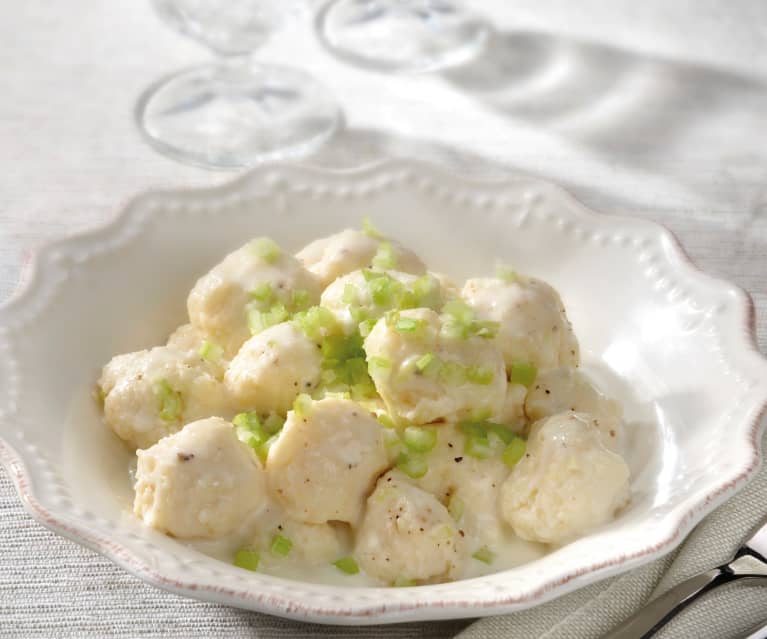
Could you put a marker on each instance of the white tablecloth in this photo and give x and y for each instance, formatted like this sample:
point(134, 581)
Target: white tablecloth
point(648, 108)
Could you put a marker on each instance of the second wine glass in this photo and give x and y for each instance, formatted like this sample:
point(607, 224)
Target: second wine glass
point(234, 112)
point(401, 35)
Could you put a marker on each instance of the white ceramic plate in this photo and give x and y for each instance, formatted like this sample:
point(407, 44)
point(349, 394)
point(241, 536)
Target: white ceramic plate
point(675, 345)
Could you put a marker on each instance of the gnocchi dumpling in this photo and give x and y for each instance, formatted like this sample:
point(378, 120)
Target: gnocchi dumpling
point(255, 286)
point(424, 376)
point(407, 535)
point(272, 368)
point(533, 324)
point(332, 257)
point(150, 394)
point(326, 460)
point(567, 484)
point(563, 389)
point(201, 482)
point(368, 295)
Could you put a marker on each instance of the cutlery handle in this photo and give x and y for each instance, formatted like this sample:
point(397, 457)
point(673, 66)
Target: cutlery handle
point(648, 620)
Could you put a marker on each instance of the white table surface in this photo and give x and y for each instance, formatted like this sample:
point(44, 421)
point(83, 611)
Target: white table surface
point(648, 108)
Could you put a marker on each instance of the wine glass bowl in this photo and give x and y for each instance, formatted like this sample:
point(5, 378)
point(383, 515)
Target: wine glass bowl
point(234, 112)
point(401, 35)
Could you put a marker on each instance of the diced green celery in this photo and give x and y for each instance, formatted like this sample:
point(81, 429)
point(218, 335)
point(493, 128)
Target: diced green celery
point(391, 439)
point(263, 450)
point(362, 391)
point(514, 452)
point(455, 507)
point(347, 565)
point(473, 428)
point(460, 311)
point(426, 290)
point(350, 294)
point(409, 325)
point(522, 373)
point(479, 375)
point(170, 403)
point(505, 273)
point(378, 366)
point(317, 322)
point(422, 363)
point(249, 421)
point(370, 230)
point(259, 321)
point(302, 405)
point(385, 420)
point(403, 582)
point(266, 249)
point(414, 466)
point(300, 299)
point(273, 423)
point(420, 439)
point(452, 373)
point(356, 370)
point(210, 352)
point(366, 326)
point(485, 555)
point(504, 433)
point(478, 447)
point(485, 328)
point(247, 558)
point(382, 291)
point(281, 546)
point(385, 258)
point(263, 292)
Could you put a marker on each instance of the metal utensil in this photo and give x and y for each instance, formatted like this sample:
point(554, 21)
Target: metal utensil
point(749, 562)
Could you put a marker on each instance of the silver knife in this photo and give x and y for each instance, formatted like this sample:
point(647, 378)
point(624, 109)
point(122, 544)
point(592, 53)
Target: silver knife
point(749, 562)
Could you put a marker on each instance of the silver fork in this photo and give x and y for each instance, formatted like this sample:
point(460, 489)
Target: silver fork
point(749, 562)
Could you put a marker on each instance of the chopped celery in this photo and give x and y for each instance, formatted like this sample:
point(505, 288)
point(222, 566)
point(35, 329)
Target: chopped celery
point(317, 322)
point(266, 249)
point(455, 507)
point(484, 555)
point(403, 582)
point(259, 321)
point(385, 259)
point(479, 375)
point(273, 423)
point(366, 326)
point(302, 405)
point(426, 290)
point(408, 325)
point(210, 352)
point(347, 565)
point(514, 452)
point(385, 420)
point(350, 294)
point(263, 450)
point(247, 558)
point(370, 230)
point(300, 299)
point(420, 439)
point(413, 466)
point(391, 437)
point(170, 403)
point(478, 447)
point(281, 545)
point(263, 292)
point(422, 363)
point(378, 366)
point(452, 373)
point(506, 274)
point(505, 434)
point(485, 328)
point(522, 373)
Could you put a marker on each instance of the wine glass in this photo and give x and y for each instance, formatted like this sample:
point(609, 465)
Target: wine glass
point(234, 112)
point(401, 35)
